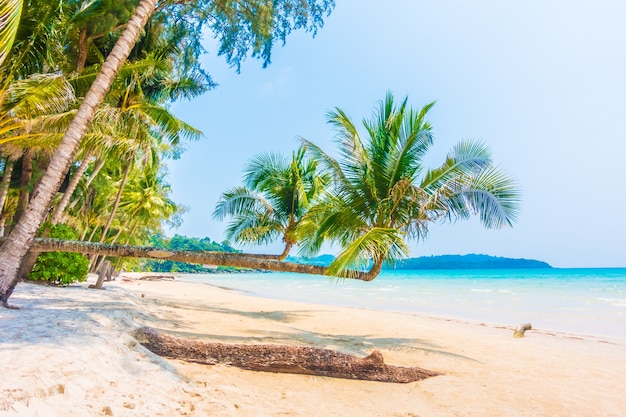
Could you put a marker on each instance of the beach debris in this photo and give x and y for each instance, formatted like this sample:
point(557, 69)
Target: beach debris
point(280, 358)
point(157, 277)
point(519, 330)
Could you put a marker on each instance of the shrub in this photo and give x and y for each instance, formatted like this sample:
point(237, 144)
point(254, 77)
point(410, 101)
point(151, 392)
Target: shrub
point(60, 268)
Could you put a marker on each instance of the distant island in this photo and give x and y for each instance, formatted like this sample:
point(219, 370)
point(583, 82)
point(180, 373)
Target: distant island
point(471, 261)
point(424, 263)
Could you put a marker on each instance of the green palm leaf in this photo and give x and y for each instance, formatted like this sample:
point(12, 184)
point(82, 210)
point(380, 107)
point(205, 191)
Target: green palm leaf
point(376, 244)
point(10, 12)
point(382, 192)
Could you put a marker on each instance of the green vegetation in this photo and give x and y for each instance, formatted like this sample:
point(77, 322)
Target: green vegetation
point(274, 200)
point(60, 268)
point(111, 130)
point(109, 134)
point(382, 193)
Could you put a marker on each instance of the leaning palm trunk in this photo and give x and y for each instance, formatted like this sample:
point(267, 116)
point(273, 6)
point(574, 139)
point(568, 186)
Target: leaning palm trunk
point(19, 241)
point(116, 203)
point(31, 258)
point(58, 212)
point(238, 260)
point(207, 258)
point(99, 164)
point(95, 262)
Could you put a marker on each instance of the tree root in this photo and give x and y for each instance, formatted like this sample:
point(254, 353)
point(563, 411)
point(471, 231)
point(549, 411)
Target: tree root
point(281, 358)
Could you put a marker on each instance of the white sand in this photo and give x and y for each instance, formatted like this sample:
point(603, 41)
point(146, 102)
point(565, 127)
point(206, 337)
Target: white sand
point(68, 352)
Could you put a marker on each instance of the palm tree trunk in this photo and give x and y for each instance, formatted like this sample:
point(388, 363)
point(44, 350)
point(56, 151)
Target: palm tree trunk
point(6, 181)
point(58, 212)
point(99, 164)
point(19, 241)
point(208, 258)
point(116, 203)
point(100, 261)
point(31, 258)
point(83, 45)
point(107, 226)
point(25, 177)
point(238, 260)
point(373, 272)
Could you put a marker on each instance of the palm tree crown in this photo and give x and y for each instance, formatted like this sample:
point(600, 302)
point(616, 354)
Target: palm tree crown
point(382, 194)
point(276, 195)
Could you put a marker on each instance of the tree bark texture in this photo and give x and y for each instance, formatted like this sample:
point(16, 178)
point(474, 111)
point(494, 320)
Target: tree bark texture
point(194, 257)
point(238, 260)
point(19, 241)
point(281, 358)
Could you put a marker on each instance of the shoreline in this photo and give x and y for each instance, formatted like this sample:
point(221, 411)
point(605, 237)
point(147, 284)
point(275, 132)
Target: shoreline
point(69, 352)
point(575, 320)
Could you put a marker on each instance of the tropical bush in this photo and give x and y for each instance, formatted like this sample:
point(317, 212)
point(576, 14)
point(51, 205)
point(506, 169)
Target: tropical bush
point(60, 268)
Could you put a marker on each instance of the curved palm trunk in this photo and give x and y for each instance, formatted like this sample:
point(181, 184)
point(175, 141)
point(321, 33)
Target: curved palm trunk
point(116, 204)
point(207, 258)
point(238, 260)
point(99, 164)
point(373, 272)
point(31, 258)
point(19, 241)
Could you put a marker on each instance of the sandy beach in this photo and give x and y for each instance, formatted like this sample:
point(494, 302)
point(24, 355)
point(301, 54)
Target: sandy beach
point(69, 352)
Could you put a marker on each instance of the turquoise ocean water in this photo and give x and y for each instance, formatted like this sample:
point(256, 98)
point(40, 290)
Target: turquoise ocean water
point(581, 301)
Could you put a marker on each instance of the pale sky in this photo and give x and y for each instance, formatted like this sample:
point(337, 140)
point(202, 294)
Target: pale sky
point(542, 83)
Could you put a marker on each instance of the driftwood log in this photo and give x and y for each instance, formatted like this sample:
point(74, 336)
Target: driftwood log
point(521, 329)
point(280, 358)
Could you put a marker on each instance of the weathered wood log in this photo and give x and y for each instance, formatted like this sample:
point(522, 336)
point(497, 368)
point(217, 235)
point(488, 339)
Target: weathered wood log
point(280, 358)
point(157, 278)
point(521, 329)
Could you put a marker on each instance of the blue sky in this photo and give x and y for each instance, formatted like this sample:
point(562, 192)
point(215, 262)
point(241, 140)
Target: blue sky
point(543, 84)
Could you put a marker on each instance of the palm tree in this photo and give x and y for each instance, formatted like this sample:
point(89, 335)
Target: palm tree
point(276, 195)
point(383, 194)
point(240, 26)
point(17, 245)
point(146, 205)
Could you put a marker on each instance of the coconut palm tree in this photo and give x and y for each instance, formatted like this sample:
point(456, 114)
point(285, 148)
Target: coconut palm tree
point(20, 240)
point(241, 26)
point(383, 194)
point(276, 195)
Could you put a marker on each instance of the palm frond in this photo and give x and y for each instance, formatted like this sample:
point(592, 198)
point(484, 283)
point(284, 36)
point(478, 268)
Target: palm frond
point(466, 158)
point(375, 244)
point(240, 201)
point(265, 170)
point(167, 126)
point(494, 197)
point(37, 95)
point(10, 12)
